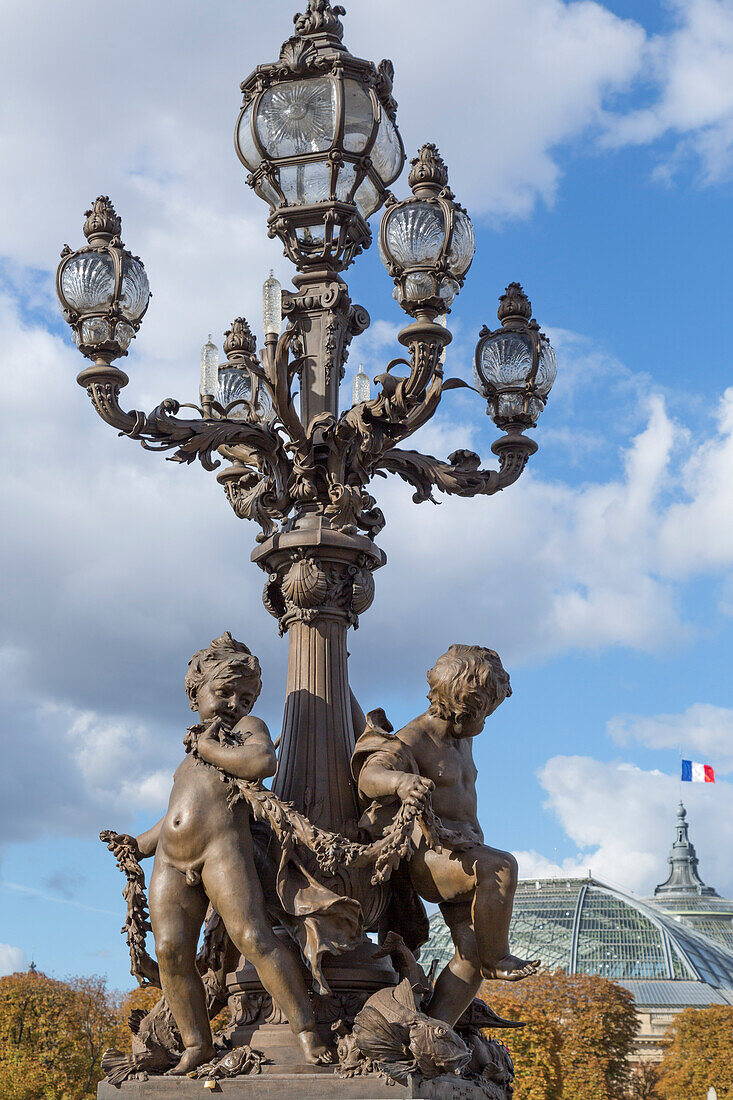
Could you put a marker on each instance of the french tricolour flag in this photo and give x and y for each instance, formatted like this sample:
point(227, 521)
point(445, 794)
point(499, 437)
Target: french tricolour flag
point(697, 773)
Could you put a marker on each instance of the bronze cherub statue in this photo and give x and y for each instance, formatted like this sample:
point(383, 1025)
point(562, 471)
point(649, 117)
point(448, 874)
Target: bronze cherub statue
point(430, 760)
point(204, 854)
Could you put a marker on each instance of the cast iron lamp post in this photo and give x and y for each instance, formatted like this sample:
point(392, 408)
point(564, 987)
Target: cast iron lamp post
point(318, 133)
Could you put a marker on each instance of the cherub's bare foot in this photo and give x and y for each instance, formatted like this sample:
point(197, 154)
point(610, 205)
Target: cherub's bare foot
point(510, 969)
point(315, 1051)
point(192, 1058)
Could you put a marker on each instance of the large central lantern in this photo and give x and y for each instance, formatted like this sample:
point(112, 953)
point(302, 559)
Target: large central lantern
point(317, 133)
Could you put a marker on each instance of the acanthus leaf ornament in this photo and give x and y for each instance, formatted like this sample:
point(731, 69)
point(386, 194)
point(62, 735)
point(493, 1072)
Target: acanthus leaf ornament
point(320, 17)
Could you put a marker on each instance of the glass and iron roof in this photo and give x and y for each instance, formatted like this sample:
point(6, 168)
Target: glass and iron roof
point(583, 926)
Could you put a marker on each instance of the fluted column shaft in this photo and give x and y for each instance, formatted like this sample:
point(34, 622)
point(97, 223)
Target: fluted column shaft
point(319, 581)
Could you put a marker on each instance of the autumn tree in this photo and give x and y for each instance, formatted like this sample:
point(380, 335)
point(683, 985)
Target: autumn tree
point(52, 1034)
point(580, 1031)
point(700, 1054)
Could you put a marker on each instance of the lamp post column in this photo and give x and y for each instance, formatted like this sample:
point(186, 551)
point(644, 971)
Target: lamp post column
point(319, 581)
point(319, 576)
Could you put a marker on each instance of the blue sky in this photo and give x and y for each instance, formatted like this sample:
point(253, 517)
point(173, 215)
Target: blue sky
point(593, 146)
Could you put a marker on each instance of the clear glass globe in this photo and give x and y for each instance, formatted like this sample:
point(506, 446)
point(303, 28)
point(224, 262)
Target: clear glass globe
point(236, 385)
point(506, 362)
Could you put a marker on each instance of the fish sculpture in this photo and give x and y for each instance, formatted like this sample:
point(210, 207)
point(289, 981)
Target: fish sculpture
point(399, 1040)
point(156, 1046)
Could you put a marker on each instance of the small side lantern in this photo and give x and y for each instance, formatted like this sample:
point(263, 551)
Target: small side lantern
point(515, 365)
point(103, 289)
point(427, 242)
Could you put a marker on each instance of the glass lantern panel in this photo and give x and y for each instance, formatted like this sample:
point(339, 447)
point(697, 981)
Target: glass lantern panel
point(135, 289)
point(506, 360)
point(88, 281)
point(124, 333)
point(235, 384)
point(245, 141)
point(419, 285)
point(415, 234)
point(305, 183)
point(345, 181)
point(95, 330)
point(358, 116)
point(310, 236)
point(298, 117)
point(387, 156)
point(547, 369)
point(510, 406)
point(268, 192)
point(367, 198)
point(463, 244)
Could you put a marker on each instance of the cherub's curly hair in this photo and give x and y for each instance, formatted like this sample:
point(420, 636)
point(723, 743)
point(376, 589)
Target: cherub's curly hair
point(462, 679)
point(223, 651)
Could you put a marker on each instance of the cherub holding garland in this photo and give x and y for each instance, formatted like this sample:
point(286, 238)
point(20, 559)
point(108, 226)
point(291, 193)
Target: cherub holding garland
point(204, 852)
point(431, 758)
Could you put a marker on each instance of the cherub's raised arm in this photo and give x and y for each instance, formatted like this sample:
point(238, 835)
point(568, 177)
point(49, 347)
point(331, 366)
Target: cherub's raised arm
point(252, 760)
point(378, 781)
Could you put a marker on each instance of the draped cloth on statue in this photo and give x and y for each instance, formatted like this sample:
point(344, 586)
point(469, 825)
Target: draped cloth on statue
point(318, 919)
point(405, 913)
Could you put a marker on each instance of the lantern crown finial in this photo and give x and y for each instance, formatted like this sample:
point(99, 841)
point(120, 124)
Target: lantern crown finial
point(239, 342)
point(514, 304)
point(102, 222)
point(429, 171)
point(320, 18)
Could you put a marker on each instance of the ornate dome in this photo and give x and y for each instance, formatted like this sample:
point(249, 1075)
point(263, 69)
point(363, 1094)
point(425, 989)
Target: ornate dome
point(684, 896)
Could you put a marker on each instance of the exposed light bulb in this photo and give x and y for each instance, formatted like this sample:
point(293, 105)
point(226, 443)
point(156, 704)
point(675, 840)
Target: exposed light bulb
point(361, 388)
point(272, 307)
point(209, 369)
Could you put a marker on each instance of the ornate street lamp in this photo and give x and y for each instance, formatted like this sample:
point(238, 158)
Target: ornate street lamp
point(515, 365)
point(317, 132)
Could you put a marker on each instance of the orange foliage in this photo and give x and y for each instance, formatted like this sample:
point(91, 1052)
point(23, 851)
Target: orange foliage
point(700, 1054)
point(52, 1035)
point(579, 1033)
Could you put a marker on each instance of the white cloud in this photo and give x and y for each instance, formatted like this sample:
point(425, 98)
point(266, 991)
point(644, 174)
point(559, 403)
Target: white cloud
point(697, 531)
point(622, 820)
point(703, 730)
point(12, 959)
point(500, 86)
point(692, 101)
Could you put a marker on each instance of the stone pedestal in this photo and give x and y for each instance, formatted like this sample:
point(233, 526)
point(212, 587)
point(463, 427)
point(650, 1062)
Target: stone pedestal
point(258, 1023)
point(298, 1083)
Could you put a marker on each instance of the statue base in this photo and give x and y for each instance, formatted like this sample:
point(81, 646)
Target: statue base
point(294, 1083)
